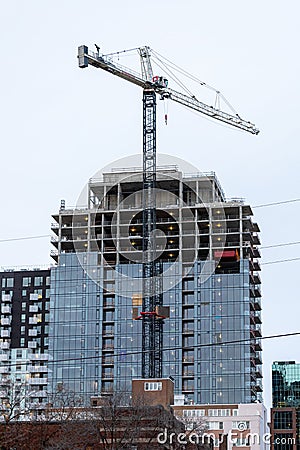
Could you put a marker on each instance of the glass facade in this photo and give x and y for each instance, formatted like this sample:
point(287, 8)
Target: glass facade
point(96, 345)
point(285, 423)
point(209, 255)
point(286, 384)
point(75, 325)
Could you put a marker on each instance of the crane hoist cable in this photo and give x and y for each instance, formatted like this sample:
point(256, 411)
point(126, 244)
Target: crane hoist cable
point(168, 63)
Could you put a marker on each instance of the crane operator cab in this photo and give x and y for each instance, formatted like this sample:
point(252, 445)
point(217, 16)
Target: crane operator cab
point(160, 81)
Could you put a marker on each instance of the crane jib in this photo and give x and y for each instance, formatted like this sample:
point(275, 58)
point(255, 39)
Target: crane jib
point(85, 59)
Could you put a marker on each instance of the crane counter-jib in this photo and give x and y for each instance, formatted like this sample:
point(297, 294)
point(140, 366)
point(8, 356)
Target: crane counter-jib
point(101, 62)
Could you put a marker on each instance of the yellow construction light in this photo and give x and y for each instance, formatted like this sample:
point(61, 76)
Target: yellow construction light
point(218, 225)
point(132, 229)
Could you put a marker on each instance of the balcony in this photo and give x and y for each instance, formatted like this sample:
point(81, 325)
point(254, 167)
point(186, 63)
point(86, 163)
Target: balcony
point(33, 321)
point(108, 375)
point(108, 303)
point(6, 309)
point(109, 249)
point(5, 321)
point(32, 344)
point(107, 361)
point(38, 394)
point(37, 405)
point(188, 359)
point(37, 369)
point(258, 347)
point(33, 308)
point(5, 333)
point(188, 373)
point(108, 347)
point(188, 329)
point(256, 304)
point(39, 357)
point(258, 330)
point(38, 381)
point(259, 385)
point(258, 372)
point(188, 386)
point(256, 318)
point(258, 358)
point(32, 332)
point(108, 331)
point(4, 345)
point(6, 297)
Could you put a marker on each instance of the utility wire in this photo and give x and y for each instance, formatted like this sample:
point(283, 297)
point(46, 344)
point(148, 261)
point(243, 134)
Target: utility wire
point(262, 263)
point(277, 203)
point(189, 347)
point(257, 206)
point(280, 261)
point(25, 238)
point(48, 235)
point(279, 245)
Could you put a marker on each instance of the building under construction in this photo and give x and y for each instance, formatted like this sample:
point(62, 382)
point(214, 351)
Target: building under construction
point(207, 248)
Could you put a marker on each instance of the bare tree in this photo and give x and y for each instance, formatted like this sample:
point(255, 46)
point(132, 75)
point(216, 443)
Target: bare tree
point(195, 431)
point(53, 422)
point(15, 406)
point(117, 424)
point(114, 424)
point(44, 427)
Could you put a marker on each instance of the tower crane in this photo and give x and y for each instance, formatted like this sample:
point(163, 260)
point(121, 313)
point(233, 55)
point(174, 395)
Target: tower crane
point(153, 313)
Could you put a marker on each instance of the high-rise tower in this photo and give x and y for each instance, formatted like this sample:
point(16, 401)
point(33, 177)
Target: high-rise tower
point(285, 412)
point(24, 327)
point(208, 249)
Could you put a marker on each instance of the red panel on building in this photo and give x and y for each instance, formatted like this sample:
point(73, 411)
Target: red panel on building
point(225, 254)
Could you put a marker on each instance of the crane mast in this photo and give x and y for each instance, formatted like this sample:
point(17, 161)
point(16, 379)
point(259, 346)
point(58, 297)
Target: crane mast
point(153, 313)
point(152, 293)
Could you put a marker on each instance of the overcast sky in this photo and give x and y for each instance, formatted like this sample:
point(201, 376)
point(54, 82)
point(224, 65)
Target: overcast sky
point(61, 124)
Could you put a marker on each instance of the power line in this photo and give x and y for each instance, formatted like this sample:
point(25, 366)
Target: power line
point(279, 245)
point(280, 261)
point(25, 238)
point(180, 347)
point(257, 206)
point(277, 203)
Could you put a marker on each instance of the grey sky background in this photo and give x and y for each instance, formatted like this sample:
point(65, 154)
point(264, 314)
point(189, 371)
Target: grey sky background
point(60, 124)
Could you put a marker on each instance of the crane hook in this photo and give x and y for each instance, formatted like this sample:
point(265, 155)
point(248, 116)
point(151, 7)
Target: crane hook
point(166, 110)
